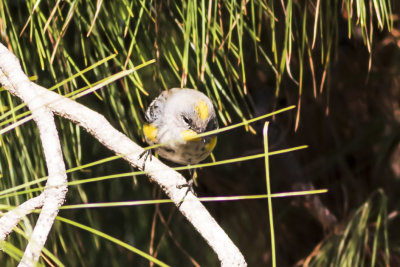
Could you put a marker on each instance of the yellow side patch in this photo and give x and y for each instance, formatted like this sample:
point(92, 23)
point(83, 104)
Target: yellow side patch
point(150, 131)
point(202, 110)
point(188, 135)
point(210, 146)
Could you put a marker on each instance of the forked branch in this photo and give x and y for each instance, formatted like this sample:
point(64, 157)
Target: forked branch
point(42, 100)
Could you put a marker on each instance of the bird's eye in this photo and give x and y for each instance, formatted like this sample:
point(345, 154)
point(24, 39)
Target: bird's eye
point(187, 120)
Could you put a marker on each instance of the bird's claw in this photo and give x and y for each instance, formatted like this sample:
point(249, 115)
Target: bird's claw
point(146, 154)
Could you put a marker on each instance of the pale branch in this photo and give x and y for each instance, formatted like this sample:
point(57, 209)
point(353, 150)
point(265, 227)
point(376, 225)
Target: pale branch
point(16, 82)
point(11, 218)
point(167, 178)
point(164, 176)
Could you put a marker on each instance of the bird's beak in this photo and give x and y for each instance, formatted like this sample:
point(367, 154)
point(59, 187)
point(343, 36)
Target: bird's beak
point(189, 135)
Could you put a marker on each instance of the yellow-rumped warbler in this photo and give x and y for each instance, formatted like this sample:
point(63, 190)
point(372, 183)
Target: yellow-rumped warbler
point(173, 118)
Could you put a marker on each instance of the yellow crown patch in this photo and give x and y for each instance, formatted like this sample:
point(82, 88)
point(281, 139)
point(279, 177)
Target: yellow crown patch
point(202, 110)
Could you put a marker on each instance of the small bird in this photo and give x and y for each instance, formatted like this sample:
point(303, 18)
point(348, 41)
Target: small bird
point(174, 118)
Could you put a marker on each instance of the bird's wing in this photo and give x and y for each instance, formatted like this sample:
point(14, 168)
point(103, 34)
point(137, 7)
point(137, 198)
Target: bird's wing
point(156, 108)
